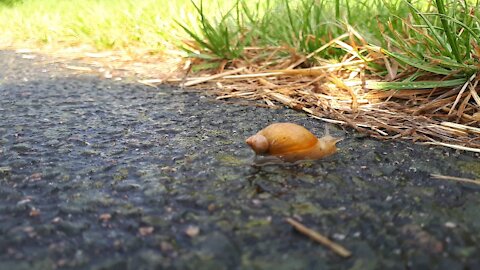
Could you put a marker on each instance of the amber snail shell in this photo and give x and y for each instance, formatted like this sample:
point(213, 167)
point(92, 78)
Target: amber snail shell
point(291, 142)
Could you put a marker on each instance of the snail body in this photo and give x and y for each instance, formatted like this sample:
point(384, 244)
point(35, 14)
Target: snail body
point(291, 142)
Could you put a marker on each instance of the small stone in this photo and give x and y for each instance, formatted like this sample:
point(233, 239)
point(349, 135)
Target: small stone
point(450, 224)
point(118, 244)
point(105, 217)
point(192, 231)
point(256, 202)
point(34, 212)
point(36, 177)
point(166, 246)
point(28, 229)
point(56, 220)
point(264, 196)
point(24, 201)
point(339, 236)
point(144, 231)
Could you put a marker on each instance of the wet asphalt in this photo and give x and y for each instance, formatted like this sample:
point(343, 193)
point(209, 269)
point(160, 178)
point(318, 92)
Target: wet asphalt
point(102, 173)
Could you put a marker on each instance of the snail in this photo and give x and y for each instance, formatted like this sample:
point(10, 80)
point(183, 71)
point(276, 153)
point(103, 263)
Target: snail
point(291, 142)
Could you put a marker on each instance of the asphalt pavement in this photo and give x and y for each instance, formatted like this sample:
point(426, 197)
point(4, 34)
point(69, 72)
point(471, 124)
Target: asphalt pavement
point(102, 173)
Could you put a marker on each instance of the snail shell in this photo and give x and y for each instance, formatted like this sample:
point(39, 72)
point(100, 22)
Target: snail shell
point(291, 142)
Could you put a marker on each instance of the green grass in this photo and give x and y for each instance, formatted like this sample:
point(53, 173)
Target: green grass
point(438, 37)
point(106, 24)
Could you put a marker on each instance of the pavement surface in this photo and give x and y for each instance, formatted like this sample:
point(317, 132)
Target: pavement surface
point(102, 173)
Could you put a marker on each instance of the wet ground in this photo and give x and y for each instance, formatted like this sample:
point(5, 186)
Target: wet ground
point(111, 174)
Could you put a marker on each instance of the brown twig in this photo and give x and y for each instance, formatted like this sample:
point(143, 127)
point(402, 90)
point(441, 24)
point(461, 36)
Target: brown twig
point(454, 178)
point(319, 238)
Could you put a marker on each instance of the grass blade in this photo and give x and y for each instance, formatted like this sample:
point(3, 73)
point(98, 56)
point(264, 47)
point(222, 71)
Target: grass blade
point(447, 30)
point(413, 85)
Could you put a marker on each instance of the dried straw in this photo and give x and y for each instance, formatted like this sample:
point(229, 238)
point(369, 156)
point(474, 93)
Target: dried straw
point(340, 93)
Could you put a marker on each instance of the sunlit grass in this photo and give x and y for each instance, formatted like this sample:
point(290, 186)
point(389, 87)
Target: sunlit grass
point(434, 36)
point(438, 37)
point(108, 24)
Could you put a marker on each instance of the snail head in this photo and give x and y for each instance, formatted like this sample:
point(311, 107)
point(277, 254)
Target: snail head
point(258, 143)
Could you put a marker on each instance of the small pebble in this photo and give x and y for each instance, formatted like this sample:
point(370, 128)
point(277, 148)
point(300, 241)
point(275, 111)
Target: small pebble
point(192, 231)
point(450, 224)
point(144, 231)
